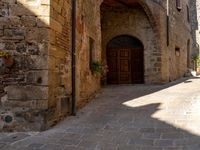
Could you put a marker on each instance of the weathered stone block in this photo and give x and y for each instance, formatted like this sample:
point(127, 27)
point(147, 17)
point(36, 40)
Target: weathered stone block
point(36, 34)
point(27, 93)
point(2, 46)
point(10, 1)
point(16, 33)
point(37, 77)
point(21, 47)
point(1, 32)
point(43, 48)
point(4, 21)
point(2, 66)
point(20, 10)
point(45, 2)
point(10, 46)
point(21, 105)
point(14, 21)
point(43, 21)
point(33, 49)
point(4, 12)
point(42, 10)
point(28, 21)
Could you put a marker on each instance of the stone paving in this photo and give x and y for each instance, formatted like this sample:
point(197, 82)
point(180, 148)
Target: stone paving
point(126, 117)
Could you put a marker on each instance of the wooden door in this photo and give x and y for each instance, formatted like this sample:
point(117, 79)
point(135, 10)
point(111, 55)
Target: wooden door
point(126, 66)
point(119, 63)
point(112, 62)
point(137, 66)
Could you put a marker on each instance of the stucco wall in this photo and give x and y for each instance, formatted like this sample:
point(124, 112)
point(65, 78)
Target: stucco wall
point(88, 26)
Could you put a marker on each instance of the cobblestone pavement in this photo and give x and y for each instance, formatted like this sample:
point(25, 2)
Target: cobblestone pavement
point(138, 117)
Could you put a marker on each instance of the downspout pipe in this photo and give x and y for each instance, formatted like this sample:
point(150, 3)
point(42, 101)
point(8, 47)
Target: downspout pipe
point(167, 22)
point(73, 106)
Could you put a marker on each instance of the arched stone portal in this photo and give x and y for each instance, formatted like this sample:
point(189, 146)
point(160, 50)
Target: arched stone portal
point(132, 18)
point(125, 58)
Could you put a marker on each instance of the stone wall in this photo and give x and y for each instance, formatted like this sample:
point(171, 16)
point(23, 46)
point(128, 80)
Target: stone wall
point(35, 53)
point(133, 22)
point(195, 18)
point(180, 33)
point(36, 77)
point(24, 75)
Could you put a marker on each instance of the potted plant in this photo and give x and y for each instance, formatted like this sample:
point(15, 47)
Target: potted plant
point(196, 59)
point(101, 69)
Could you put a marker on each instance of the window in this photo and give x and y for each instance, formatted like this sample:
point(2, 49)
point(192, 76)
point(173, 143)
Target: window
point(188, 53)
point(91, 51)
point(188, 14)
point(179, 4)
point(177, 51)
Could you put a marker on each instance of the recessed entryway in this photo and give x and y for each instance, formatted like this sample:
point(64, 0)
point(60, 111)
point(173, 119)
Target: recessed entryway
point(125, 59)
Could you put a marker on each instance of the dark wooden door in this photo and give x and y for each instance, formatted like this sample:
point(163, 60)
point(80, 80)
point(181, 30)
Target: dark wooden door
point(137, 66)
point(112, 62)
point(125, 66)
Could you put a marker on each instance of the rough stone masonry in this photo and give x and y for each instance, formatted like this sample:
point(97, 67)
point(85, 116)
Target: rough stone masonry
point(35, 52)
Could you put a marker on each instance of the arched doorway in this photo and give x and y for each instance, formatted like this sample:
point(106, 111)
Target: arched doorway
point(125, 59)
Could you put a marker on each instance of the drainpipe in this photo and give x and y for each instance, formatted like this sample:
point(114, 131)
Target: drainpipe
point(73, 106)
point(167, 22)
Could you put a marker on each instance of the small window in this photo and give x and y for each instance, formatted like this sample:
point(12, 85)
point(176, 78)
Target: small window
point(188, 53)
point(179, 5)
point(188, 14)
point(91, 51)
point(177, 51)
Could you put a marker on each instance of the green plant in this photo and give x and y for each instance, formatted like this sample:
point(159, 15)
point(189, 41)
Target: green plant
point(4, 54)
point(196, 59)
point(95, 67)
point(98, 67)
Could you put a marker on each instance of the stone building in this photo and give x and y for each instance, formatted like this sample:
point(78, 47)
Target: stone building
point(49, 48)
point(195, 22)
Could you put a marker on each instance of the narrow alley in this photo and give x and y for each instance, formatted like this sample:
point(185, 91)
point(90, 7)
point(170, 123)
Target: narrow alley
point(135, 117)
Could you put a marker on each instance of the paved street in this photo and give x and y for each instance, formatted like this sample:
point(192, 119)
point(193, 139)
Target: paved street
point(139, 117)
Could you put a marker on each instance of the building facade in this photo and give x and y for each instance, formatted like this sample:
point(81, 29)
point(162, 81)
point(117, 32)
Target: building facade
point(195, 19)
point(50, 48)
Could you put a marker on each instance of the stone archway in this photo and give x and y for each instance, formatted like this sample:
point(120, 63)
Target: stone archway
point(125, 58)
point(131, 4)
point(122, 19)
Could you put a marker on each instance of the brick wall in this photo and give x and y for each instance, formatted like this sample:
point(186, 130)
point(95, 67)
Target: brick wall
point(59, 61)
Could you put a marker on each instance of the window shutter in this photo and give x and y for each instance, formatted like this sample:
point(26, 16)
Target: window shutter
point(179, 4)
